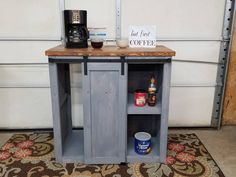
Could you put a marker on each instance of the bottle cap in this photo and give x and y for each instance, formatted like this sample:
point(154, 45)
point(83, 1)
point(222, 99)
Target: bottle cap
point(152, 80)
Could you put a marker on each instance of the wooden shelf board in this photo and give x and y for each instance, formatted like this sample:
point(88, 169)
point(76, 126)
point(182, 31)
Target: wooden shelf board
point(112, 51)
point(153, 156)
point(74, 147)
point(132, 109)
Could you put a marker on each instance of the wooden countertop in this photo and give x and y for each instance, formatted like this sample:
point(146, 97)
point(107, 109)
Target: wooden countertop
point(112, 51)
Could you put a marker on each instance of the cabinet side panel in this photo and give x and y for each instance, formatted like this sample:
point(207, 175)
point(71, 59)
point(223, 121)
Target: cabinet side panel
point(53, 69)
point(165, 110)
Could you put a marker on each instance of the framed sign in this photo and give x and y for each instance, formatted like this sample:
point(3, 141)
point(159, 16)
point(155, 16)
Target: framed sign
point(142, 36)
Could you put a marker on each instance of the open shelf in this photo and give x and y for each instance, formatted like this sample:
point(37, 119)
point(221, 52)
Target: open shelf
point(139, 79)
point(143, 123)
point(153, 156)
point(74, 147)
point(132, 109)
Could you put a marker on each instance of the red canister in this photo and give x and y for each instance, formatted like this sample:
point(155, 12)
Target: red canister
point(140, 98)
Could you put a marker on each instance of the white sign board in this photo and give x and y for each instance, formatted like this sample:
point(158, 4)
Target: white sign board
point(142, 36)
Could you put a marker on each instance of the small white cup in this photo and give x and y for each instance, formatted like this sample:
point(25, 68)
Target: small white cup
point(122, 43)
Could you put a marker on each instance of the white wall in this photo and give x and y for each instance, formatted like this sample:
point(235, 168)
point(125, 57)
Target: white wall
point(24, 89)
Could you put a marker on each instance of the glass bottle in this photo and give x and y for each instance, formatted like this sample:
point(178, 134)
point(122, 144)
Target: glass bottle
point(152, 92)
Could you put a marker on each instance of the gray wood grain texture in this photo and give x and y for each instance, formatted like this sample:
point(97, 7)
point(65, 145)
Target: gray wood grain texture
point(74, 147)
point(144, 123)
point(56, 109)
point(105, 113)
point(61, 105)
point(165, 111)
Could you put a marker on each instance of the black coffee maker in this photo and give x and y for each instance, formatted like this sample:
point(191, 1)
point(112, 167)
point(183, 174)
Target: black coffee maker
point(76, 32)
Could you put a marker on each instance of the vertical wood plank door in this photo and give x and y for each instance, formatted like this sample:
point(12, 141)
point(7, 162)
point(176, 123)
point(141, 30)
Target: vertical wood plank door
point(229, 108)
point(104, 113)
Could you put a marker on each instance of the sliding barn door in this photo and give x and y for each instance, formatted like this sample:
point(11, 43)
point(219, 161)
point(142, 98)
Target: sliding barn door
point(104, 113)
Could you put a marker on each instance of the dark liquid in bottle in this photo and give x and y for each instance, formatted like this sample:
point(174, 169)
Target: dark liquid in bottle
point(152, 99)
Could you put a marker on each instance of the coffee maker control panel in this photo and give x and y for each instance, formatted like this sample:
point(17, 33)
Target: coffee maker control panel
point(75, 17)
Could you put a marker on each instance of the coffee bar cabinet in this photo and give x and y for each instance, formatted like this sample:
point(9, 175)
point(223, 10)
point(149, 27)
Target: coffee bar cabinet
point(110, 77)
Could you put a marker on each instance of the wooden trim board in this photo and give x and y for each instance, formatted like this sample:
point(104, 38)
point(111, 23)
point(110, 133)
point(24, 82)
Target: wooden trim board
point(229, 107)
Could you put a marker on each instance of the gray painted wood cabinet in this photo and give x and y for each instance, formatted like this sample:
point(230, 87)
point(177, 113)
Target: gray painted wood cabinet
point(110, 117)
point(104, 92)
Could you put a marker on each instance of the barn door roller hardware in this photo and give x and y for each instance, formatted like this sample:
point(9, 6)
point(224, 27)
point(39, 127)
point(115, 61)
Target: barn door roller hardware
point(224, 60)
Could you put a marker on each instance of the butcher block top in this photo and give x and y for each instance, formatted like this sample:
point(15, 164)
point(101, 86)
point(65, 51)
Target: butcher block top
point(112, 51)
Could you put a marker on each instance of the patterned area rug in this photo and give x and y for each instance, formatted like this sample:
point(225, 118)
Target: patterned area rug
point(31, 155)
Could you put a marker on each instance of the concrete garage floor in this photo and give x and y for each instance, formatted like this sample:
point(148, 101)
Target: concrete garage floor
point(220, 143)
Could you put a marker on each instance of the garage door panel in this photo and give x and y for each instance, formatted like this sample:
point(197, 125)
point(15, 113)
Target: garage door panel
point(25, 51)
point(25, 108)
point(191, 106)
point(34, 75)
point(76, 76)
point(22, 99)
point(176, 18)
point(77, 107)
point(31, 108)
point(30, 19)
point(24, 75)
point(193, 73)
point(196, 51)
